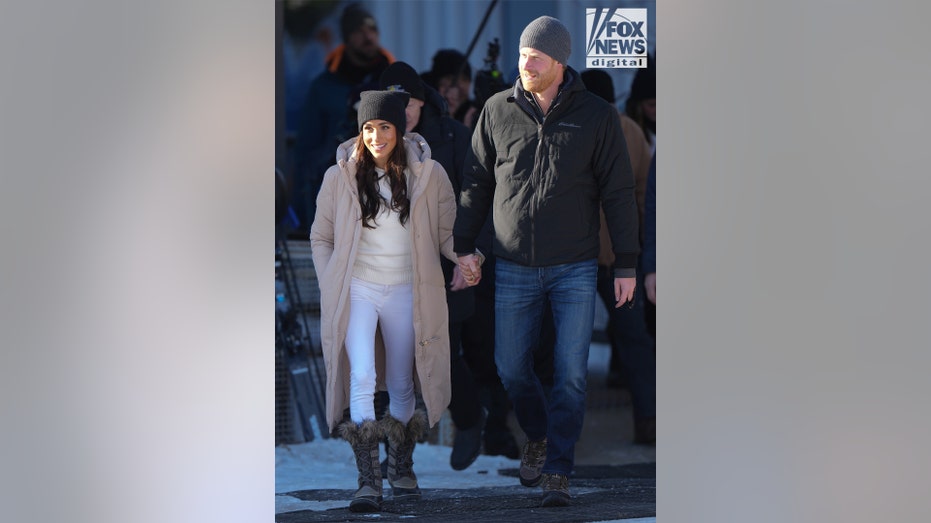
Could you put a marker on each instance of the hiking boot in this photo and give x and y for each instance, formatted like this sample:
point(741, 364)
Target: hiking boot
point(531, 462)
point(555, 490)
point(401, 441)
point(467, 444)
point(364, 439)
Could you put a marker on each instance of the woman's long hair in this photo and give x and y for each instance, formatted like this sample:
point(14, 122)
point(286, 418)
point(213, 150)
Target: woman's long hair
point(367, 181)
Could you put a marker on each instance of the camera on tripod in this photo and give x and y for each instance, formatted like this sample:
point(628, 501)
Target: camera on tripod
point(489, 79)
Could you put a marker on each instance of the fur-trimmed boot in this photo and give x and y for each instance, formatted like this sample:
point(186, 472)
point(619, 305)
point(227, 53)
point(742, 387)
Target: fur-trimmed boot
point(364, 439)
point(401, 441)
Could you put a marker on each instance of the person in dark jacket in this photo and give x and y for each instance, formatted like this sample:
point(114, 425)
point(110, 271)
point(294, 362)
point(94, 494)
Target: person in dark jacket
point(328, 118)
point(449, 139)
point(633, 349)
point(545, 153)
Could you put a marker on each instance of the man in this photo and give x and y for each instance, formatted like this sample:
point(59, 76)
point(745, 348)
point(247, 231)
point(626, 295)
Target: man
point(545, 154)
point(327, 118)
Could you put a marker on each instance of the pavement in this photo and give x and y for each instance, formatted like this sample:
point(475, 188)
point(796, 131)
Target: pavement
point(614, 479)
point(606, 493)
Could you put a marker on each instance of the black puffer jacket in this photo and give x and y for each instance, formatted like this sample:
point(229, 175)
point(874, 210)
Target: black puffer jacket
point(545, 178)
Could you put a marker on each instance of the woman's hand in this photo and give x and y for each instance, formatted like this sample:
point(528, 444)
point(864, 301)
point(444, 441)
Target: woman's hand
point(470, 266)
point(458, 281)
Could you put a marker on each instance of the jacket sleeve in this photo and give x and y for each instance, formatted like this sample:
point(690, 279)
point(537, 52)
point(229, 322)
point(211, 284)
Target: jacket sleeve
point(648, 257)
point(478, 186)
point(616, 183)
point(446, 203)
point(639, 151)
point(322, 230)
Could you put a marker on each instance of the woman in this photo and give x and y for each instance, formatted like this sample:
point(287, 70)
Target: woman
point(384, 214)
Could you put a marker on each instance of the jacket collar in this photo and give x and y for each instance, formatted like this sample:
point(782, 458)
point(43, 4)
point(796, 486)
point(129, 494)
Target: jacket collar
point(335, 57)
point(571, 83)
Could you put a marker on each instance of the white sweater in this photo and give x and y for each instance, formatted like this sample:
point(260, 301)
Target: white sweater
point(384, 254)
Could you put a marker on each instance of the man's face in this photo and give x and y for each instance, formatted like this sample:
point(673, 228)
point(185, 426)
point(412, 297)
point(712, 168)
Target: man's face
point(538, 70)
point(364, 41)
point(413, 113)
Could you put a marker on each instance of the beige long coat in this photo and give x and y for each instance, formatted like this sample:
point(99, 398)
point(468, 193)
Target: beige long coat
point(334, 239)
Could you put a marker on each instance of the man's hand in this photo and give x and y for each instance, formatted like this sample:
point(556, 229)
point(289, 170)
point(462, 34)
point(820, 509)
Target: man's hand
point(649, 282)
point(471, 268)
point(624, 290)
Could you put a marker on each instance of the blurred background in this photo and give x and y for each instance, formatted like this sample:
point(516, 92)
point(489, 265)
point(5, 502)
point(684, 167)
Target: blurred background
point(413, 32)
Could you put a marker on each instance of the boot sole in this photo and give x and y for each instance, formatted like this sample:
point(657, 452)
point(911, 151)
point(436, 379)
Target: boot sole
point(554, 499)
point(531, 482)
point(365, 505)
point(403, 494)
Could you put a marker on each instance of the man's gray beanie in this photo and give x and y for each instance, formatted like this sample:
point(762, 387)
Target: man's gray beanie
point(547, 34)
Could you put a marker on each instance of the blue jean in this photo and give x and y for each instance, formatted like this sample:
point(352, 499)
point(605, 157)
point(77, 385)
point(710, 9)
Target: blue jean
point(520, 295)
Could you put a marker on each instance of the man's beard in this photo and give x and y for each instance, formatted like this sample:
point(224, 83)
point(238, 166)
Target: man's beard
point(538, 83)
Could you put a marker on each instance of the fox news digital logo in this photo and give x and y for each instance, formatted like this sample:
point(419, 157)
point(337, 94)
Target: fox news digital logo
point(615, 38)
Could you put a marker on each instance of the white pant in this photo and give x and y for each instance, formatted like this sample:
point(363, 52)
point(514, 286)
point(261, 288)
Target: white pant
point(392, 307)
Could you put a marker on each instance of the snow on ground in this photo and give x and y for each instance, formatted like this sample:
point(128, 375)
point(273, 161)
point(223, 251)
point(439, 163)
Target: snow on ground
point(329, 464)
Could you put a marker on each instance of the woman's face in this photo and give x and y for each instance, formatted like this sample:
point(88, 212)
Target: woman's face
point(456, 92)
point(380, 138)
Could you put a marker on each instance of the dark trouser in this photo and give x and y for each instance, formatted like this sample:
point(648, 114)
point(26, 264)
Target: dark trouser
point(478, 348)
point(632, 343)
point(464, 406)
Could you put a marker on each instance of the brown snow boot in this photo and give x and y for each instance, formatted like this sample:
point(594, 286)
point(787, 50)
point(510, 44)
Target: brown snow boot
point(364, 439)
point(401, 441)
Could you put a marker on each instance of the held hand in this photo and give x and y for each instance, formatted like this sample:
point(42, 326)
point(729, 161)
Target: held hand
point(624, 291)
point(458, 281)
point(650, 284)
point(471, 269)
